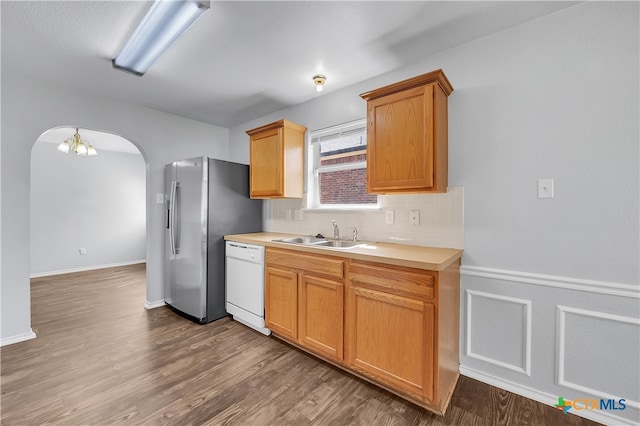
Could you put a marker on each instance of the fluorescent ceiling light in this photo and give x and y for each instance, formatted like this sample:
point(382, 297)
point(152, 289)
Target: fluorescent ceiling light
point(163, 24)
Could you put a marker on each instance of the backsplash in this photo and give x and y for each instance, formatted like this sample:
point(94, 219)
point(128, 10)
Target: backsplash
point(441, 219)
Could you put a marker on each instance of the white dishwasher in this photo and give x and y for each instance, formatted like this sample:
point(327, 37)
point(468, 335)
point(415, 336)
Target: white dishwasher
point(245, 284)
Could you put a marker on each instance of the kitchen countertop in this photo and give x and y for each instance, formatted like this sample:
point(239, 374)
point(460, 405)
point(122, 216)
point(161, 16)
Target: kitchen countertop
point(430, 258)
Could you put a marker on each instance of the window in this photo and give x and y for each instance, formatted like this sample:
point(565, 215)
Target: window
point(338, 168)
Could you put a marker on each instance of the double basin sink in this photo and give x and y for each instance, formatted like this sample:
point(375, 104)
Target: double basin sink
point(322, 242)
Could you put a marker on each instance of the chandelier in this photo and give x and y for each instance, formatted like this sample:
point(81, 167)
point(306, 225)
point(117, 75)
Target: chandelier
point(76, 145)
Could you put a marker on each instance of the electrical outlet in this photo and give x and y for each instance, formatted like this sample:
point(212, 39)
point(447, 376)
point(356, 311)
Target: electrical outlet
point(414, 217)
point(159, 198)
point(297, 215)
point(545, 188)
point(82, 251)
point(288, 214)
point(389, 217)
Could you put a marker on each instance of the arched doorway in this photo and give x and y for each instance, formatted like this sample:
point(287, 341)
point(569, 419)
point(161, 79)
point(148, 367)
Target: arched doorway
point(87, 212)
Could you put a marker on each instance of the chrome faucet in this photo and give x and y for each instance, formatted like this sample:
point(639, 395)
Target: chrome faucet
point(336, 230)
point(355, 233)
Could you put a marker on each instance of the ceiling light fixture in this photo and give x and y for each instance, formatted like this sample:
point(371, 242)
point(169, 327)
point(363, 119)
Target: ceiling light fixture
point(76, 145)
point(319, 81)
point(163, 24)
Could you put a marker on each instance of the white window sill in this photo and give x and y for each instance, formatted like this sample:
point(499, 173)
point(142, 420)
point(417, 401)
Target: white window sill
point(343, 208)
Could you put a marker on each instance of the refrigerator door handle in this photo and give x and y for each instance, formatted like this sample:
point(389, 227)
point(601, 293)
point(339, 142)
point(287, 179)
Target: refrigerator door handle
point(172, 217)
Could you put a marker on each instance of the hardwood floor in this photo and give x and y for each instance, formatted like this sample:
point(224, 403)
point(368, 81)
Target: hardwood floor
point(101, 358)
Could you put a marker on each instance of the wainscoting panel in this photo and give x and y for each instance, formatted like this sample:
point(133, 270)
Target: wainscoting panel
point(554, 337)
point(596, 351)
point(499, 330)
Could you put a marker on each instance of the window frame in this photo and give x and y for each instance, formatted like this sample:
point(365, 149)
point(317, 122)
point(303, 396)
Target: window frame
point(314, 140)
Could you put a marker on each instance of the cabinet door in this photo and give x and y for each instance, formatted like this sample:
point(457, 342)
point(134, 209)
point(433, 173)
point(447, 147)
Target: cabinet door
point(281, 301)
point(400, 145)
point(391, 340)
point(266, 171)
point(321, 316)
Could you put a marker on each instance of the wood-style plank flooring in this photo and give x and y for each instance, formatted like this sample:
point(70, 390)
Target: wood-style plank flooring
point(100, 358)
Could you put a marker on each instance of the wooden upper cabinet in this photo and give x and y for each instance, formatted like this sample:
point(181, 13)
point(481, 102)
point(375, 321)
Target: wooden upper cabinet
point(407, 135)
point(277, 160)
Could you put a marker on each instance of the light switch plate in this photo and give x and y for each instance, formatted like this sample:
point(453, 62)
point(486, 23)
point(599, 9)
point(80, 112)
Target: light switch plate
point(389, 217)
point(159, 198)
point(288, 214)
point(545, 188)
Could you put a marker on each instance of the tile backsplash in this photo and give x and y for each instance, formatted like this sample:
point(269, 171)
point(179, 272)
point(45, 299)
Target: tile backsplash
point(441, 219)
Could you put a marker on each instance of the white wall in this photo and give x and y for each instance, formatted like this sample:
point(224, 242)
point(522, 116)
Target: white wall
point(97, 203)
point(29, 108)
point(550, 287)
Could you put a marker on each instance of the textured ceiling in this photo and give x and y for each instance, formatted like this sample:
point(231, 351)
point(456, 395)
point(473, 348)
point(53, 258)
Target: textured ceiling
point(242, 60)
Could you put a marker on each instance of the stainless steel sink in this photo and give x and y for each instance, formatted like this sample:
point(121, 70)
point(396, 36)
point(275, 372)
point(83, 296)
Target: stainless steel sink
point(342, 244)
point(322, 242)
point(302, 240)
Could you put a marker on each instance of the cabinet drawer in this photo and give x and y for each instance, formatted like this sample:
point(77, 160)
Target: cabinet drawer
point(414, 281)
point(316, 264)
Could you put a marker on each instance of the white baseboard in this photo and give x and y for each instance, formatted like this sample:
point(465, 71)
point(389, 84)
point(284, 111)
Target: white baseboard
point(542, 397)
point(19, 338)
point(152, 305)
point(85, 268)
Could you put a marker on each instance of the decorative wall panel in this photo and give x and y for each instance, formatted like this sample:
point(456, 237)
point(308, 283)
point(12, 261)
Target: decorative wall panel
point(499, 330)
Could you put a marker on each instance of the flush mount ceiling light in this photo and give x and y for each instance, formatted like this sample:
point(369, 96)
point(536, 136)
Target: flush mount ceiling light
point(76, 145)
point(163, 24)
point(319, 81)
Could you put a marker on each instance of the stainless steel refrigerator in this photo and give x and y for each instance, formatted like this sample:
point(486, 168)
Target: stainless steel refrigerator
point(206, 199)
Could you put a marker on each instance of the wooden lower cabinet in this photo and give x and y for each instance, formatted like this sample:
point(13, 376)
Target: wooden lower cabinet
point(320, 321)
point(395, 326)
point(305, 300)
point(281, 307)
point(391, 340)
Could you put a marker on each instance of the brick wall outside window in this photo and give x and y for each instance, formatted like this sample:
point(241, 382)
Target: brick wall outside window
point(345, 186)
